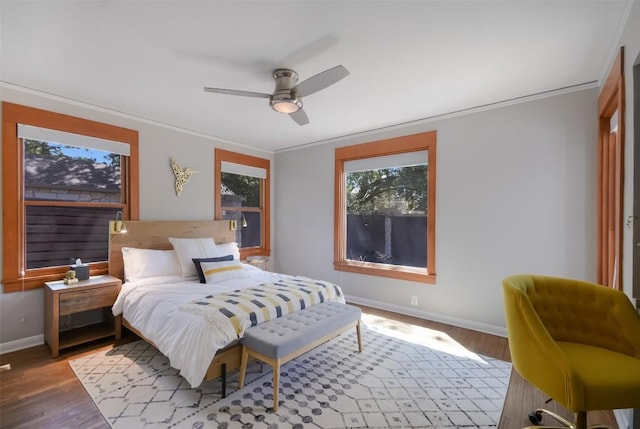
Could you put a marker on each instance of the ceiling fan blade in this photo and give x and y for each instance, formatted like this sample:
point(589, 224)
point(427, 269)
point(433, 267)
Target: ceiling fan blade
point(321, 80)
point(300, 117)
point(236, 92)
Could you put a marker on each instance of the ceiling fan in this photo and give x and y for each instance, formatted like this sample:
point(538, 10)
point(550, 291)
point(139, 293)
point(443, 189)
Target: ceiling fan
point(287, 97)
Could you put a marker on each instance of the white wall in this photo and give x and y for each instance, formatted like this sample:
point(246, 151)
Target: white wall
point(516, 192)
point(21, 314)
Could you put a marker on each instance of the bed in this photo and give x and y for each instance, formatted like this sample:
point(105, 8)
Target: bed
point(197, 325)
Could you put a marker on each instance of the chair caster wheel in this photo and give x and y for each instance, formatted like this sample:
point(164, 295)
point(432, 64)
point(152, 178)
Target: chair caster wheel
point(535, 417)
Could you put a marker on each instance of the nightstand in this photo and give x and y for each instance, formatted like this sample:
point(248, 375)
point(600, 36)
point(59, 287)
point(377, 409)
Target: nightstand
point(61, 299)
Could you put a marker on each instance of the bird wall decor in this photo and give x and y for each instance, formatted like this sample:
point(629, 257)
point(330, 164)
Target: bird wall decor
point(182, 175)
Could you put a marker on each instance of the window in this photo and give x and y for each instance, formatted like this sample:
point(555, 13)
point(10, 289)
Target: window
point(64, 178)
point(385, 208)
point(242, 194)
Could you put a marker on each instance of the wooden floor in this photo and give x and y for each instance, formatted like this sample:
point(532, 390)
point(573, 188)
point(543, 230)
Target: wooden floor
point(41, 392)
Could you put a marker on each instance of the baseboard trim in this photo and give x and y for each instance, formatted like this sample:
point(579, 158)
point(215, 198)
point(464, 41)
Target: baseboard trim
point(22, 343)
point(434, 317)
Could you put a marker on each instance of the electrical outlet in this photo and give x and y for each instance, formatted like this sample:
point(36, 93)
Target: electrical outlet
point(414, 300)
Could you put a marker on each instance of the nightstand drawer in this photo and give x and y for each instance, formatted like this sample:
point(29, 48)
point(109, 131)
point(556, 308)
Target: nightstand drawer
point(75, 302)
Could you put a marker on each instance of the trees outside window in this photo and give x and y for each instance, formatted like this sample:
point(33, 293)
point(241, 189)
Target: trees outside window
point(387, 215)
point(70, 194)
point(241, 202)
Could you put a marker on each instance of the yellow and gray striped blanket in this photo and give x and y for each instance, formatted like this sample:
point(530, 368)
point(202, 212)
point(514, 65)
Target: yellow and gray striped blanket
point(248, 307)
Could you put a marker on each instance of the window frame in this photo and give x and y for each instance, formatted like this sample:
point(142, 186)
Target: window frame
point(610, 202)
point(13, 203)
point(265, 187)
point(393, 146)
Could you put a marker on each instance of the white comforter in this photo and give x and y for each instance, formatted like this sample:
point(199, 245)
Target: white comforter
point(153, 307)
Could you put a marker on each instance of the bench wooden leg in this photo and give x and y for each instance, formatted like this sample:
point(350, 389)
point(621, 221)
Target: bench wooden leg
point(243, 366)
point(276, 384)
point(359, 337)
point(223, 379)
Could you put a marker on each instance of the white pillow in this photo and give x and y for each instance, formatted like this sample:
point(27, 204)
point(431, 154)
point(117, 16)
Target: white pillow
point(190, 248)
point(215, 272)
point(143, 263)
point(228, 249)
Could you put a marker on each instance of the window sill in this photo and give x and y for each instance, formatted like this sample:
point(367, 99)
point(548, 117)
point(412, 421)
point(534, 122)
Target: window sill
point(36, 279)
point(383, 270)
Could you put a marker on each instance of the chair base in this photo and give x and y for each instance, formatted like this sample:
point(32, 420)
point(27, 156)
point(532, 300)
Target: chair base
point(579, 423)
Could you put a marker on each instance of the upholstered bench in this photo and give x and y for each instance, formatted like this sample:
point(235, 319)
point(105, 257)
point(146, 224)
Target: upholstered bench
point(279, 340)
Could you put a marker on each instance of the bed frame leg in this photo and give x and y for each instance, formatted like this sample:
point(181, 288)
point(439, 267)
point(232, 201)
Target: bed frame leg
point(223, 379)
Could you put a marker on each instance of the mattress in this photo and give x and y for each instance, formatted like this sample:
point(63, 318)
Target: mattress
point(165, 310)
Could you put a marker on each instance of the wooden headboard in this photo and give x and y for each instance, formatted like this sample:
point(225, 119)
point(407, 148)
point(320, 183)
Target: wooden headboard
point(155, 235)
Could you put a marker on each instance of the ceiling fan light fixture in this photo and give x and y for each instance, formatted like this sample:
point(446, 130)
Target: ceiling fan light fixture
point(286, 103)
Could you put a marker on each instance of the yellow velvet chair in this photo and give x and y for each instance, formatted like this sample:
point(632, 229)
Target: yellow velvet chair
point(578, 342)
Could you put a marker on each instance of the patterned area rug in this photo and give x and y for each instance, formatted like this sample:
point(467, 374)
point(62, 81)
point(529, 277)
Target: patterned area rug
point(401, 380)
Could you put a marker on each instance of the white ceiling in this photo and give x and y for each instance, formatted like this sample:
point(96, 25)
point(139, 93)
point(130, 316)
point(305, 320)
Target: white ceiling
point(409, 60)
